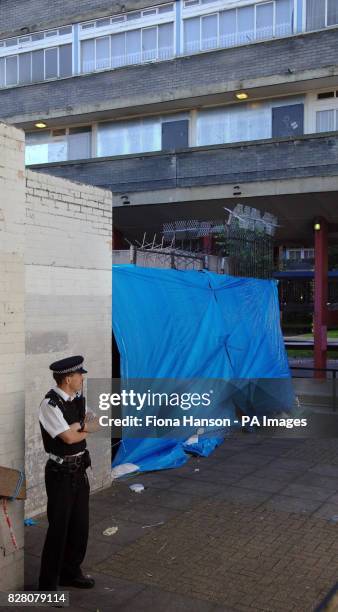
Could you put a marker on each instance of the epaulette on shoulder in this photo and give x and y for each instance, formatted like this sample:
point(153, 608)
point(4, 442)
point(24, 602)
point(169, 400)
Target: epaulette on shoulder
point(51, 402)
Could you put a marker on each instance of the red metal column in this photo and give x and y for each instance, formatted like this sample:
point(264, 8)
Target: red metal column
point(207, 242)
point(321, 296)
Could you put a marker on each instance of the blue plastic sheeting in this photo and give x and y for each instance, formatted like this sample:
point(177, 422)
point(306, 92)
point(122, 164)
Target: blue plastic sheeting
point(197, 324)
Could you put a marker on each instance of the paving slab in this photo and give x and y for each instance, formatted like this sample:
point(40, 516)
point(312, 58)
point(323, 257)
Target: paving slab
point(249, 529)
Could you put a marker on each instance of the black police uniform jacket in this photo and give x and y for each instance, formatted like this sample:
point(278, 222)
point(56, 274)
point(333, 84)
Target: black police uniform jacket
point(73, 412)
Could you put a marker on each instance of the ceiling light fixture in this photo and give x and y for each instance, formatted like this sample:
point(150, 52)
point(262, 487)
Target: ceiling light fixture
point(241, 95)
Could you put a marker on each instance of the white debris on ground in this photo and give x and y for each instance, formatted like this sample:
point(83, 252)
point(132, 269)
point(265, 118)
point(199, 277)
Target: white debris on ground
point(123, 469)
point(110, 531)
point(137, 487)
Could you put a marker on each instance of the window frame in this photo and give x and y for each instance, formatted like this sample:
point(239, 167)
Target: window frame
point(30, 53)
point(59, 138)
point(124, 34)
point(9, 57)
point(326, 26)
point(201, 11)
point(313, 105)
point(57, 64)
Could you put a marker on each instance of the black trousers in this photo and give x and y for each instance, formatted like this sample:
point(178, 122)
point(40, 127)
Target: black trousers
point(68, 518)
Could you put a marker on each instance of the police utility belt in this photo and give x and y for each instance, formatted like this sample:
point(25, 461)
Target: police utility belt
point(72, 462)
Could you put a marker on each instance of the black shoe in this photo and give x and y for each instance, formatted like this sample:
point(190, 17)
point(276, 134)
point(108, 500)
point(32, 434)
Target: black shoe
point(82, 582)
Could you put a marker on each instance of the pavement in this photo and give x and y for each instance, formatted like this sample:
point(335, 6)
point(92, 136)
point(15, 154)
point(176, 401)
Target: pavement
point(253, 527)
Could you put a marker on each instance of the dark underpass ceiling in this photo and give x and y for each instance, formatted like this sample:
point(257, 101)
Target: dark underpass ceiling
point(295, 214)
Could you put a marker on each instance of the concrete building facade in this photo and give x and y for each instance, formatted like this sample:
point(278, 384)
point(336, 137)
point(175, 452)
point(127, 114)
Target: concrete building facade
point(181, 108)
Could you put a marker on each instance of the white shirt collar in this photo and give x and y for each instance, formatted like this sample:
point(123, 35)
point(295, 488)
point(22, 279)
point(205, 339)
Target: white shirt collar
point(64, 395)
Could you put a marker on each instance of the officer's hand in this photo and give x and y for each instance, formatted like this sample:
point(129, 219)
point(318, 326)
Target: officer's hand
point(75, 426)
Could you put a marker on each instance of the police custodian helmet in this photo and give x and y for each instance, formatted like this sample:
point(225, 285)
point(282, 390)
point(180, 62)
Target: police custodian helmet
point(69, 365)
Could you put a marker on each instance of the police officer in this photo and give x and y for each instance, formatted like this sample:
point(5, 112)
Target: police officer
point(65, 424)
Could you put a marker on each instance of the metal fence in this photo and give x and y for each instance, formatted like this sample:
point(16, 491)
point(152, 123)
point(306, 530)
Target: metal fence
point(328, 376)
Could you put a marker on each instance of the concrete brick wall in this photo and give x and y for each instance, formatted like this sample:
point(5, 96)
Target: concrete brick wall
point(205, 74)
point(68, 304)
point(55, 300)
point(315, 155)
point(39, 14)
point(12, 339)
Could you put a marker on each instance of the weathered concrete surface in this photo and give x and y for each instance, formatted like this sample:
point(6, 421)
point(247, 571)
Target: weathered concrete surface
point(282, 160)
point(68, 303)
point(12, 338)
point(55, 300)
point(264, 69)
point(16, 14)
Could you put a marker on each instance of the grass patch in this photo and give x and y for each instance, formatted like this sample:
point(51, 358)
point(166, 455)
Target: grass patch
point(300, 353)
point(332, 333)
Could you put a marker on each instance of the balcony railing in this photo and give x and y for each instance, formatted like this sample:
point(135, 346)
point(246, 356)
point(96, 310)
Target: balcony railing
point(297, 264)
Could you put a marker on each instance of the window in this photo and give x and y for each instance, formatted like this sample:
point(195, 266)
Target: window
point(118, 50)
point(297, 254)
point(227, 28)
point(2, 72)
point(264, 21)
point(245, 24)
point(88, 55)
point(79, 143)
point(58, 145)
point(166, 8)
point(25, 68)
point(12, 70)
point(35, 66)
point(284, 18)
point(250, 121)
point(131, 47)
point(321, 14)
point(209, 33)
point(101, 23)
point(122, 138)
point(325, 95)
point(65, 61)
point(43, 147)
point(294, 254)
point(51, 63)
point(332, 12)
point(165, 41)
point(149, 44)
point(192, 35)
point(38, 62)
point(25, 41)
point(102, 53)
point(239, 26)
point(131, 17)
point(233, 124)
point(327, 120)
